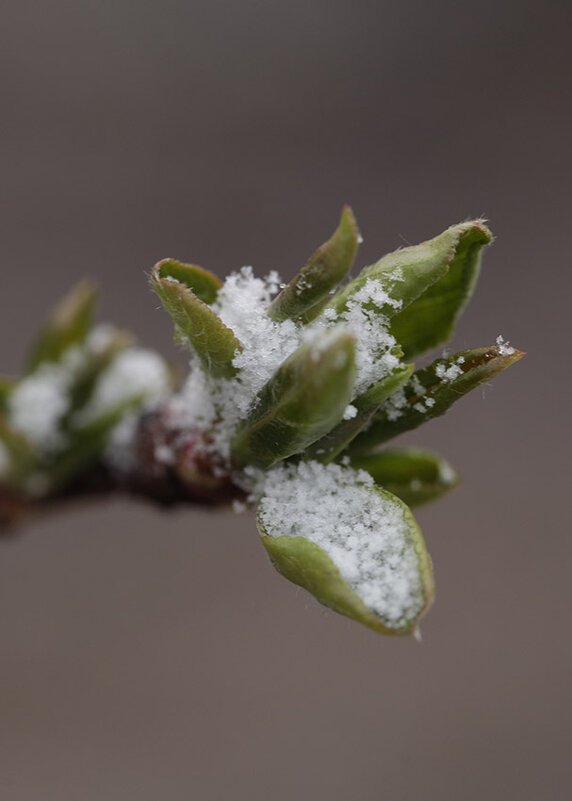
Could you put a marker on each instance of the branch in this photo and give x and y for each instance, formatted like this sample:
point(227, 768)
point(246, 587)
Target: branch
point(186, 476)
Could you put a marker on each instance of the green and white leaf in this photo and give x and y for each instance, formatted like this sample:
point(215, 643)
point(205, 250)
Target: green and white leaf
point(354, 546)
point(432, 391)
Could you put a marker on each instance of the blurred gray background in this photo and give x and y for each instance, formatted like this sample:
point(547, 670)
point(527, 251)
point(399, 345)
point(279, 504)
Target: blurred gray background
point(151, 656)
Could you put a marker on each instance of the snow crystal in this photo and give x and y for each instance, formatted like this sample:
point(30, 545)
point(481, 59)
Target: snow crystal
point(363, 532)
point(395, 405)
point(350, 412)
point(505, 348)
point(416, 384)
point(330, 315)
point(448, 373)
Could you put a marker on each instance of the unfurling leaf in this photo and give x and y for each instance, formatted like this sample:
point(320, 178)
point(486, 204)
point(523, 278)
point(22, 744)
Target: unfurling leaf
point(354, 546)
point(204, 284)
point(302, 298)
point(433, 390)
point(196, 322)
point(415, 475)
point(303, 400)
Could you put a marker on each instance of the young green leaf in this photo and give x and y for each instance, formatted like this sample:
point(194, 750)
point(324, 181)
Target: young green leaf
point(430, 319)
point(352, 545)
point(327, 448)
point(68, 325)
point(302, 299)
point(415, 475)
point(407, 274)
point(303, 400)
point(196, 323)
point(204, 284)
point(432, 391)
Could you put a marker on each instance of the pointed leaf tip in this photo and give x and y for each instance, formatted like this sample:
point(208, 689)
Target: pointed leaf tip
point(302, 299)
point(196, 323)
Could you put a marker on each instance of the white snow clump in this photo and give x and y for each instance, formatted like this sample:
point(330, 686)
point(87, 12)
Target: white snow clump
point(363, 531)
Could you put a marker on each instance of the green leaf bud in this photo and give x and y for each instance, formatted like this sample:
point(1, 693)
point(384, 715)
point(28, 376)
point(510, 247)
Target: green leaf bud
point(302, 299)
